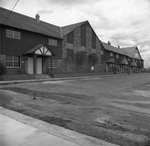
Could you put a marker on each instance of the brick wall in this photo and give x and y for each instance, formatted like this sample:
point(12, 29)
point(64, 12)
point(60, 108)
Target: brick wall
point(76, 46)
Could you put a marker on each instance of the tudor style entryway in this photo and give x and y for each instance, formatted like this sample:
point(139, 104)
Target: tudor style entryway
point(36, 59)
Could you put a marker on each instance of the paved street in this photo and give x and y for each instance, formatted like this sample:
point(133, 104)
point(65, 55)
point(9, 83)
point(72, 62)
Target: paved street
point(113, 108)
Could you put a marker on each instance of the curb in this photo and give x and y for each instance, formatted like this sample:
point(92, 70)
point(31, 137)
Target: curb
point(54, 79)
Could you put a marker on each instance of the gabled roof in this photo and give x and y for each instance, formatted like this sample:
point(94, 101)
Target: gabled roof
point(67, 29)
point(27, 23)
point(113, 49)
point(124, 62)
point(42, 49)
point(132, 52)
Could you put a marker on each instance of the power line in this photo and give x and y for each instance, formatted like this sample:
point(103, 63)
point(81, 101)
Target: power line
point(11, 10)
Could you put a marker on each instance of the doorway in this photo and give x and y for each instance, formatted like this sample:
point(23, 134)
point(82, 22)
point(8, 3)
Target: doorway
point(39, 65)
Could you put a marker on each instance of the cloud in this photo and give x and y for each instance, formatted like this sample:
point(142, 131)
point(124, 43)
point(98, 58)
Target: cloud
point(3, 3)
point(68, 2)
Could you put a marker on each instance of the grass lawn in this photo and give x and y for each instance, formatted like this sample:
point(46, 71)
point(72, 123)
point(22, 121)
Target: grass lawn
point(115, 109)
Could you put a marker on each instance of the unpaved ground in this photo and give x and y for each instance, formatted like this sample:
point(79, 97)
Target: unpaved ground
point(116, 109)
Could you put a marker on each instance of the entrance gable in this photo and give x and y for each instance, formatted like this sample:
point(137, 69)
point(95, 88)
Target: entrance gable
point(43, 51)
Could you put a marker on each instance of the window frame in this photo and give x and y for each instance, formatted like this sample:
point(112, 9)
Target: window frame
point(102, 52)
point(93, 40)
point(70, 37)
point(83, 35)
point(111, 54)
point(12, 61)
point(13, 34)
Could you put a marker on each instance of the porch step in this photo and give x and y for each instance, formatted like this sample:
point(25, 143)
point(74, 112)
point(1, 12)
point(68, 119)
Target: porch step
point(42, 76)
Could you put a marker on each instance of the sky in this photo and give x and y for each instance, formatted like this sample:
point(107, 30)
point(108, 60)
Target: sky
point(122, 22)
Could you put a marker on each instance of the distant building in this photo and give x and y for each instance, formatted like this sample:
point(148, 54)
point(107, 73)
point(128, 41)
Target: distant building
point(31, 46)
point(123, 59)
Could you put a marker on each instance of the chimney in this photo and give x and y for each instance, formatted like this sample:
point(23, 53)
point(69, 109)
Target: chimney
point(37, 17)
point(118, 47)
point(109, 43)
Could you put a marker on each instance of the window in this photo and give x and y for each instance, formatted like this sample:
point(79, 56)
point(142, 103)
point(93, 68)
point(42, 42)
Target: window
point(70, 56)
point(70, 38)
point(83, 35)
point(13, 34)
point(102, 52)
point(54, 63)
point(52, 42)
point(93, 40)
point(70, 53)
point(111, 54)
point(117, 56)
point(13, 61)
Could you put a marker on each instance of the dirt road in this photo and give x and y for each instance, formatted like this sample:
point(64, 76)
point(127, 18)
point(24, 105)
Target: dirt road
point(116, 109)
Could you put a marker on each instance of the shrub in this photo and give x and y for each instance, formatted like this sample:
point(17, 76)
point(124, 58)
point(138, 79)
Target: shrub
point(80, 58)
point(92, 59)
point(2, 69)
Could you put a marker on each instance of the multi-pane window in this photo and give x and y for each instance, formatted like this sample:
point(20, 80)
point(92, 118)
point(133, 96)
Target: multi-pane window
point(111, 54)
point(70, 37)
point(117, 56)
point(102, 52)
point(52, 42)
point(54, 63)
point(13, 34)
point(83, 35)
point(70, 56)
point(13, 61)
point(93, 40)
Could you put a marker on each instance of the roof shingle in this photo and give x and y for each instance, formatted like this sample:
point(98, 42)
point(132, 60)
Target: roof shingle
point(27, 23)
point(113, 49)
point(132, 51)
point(67, 29)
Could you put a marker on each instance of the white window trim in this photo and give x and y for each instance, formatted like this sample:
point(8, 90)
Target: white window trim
point(9, 31)
point(13, 63)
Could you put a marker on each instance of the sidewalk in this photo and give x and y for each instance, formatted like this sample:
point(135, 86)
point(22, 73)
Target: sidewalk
point(54, 79)
point(20, 130)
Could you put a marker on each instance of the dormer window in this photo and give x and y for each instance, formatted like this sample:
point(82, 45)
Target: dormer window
point(102, 52)
point(117, 56)
point(13, 34)
point(111, 54)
